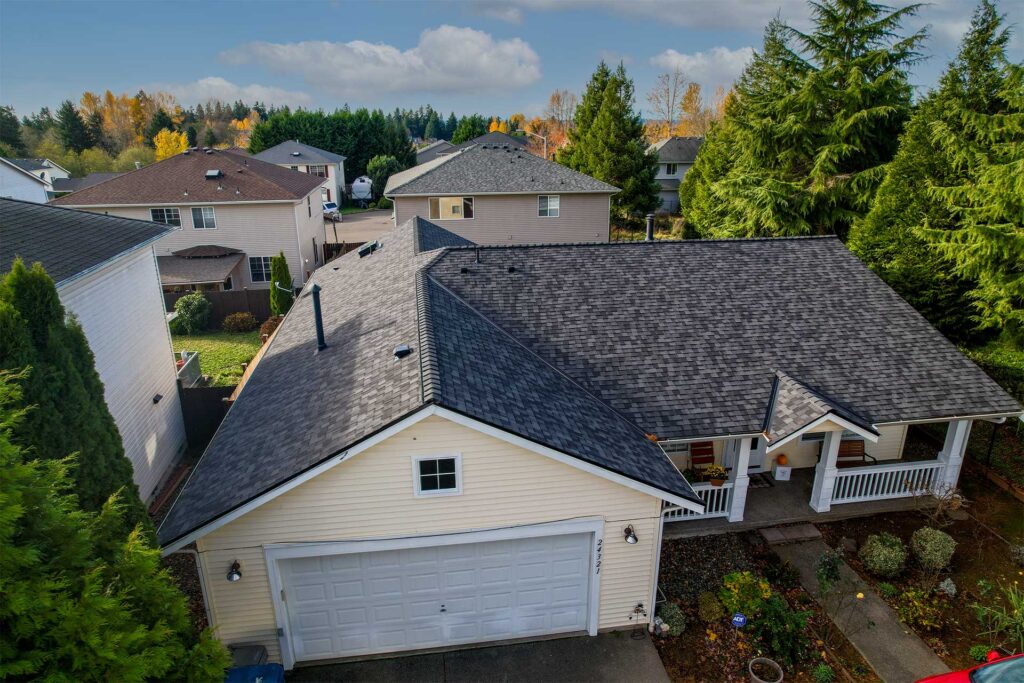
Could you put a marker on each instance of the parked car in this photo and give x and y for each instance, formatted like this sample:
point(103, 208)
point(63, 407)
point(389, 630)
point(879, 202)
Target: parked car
point(998, 669)
point(331, 211)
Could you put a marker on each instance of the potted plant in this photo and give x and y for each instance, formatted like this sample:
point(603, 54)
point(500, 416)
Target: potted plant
point(716, 474)
point(764, 670)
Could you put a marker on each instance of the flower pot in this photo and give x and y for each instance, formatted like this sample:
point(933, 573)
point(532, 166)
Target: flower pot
point(717, 482)
point(764, 670)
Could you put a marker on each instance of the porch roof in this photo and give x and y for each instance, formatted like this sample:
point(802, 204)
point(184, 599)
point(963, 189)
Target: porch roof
point(795, 407)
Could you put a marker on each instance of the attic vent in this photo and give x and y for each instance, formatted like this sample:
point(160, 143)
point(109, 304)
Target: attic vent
point(295, 154)
point(368, 248)
point(511, 269)
point(401, 351)
point(185, 152)
point(213, 174)
point(209, 151)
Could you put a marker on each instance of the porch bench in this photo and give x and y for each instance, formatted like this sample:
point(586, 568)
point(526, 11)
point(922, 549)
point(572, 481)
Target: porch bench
point(852, 454)
point(702, 454)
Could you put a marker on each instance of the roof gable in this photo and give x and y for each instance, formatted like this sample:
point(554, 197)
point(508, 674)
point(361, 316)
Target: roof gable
point(678, 150)
point(295, 152)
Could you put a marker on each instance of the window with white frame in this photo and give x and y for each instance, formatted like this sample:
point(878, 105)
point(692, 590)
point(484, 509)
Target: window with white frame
point(320, 170)
point(547, 206)
point(168, 216)
point(203, 218)
point(437, 475)
point(259, 268)
point(450, 208)
point(670, 169)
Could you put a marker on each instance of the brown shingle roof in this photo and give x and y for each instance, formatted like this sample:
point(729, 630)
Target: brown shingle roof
point(182, 179)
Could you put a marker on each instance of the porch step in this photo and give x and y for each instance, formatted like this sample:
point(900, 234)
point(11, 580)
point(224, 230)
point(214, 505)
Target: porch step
point(780, 535)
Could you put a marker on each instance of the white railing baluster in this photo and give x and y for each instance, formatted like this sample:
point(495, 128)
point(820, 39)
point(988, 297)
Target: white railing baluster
point(717, 501)
point(881, 482)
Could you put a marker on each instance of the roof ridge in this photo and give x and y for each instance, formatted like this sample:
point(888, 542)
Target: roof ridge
point(445, 158)
point(430, 375)
point(258, 174)
point(622, 243)
point(148, 224)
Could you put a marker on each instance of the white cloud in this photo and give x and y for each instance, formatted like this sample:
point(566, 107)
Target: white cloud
point(728, 14)
point(501, 11)
point(719, 66)
point(447, 59)
point(217, 88)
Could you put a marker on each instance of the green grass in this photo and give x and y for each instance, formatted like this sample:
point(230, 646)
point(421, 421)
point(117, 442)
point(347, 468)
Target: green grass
point(1003, 352)
point(221, 354)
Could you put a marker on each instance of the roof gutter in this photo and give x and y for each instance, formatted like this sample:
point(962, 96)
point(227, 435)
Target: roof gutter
point(945, 418)
point(468, 193)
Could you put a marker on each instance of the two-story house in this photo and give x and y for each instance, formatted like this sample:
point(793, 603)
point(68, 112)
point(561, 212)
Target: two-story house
point(502, 194)
point(675, 157)
point(328, 166)
point(44, 169)
point(234, 213)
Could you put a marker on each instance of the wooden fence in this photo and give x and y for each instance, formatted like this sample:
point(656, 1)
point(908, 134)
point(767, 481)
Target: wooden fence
point(203, 409)
point(333, 250)
point(223, 304)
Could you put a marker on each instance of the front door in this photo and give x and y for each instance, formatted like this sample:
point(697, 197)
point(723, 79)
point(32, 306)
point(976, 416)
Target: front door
point(757, 453)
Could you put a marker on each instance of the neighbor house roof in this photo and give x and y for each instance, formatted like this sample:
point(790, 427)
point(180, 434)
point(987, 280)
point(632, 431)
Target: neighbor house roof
point(75, 184)
point(425, 154)
point(22, 171)
point(678, 150)
point(592, 350)
point(491, 169)
point(65, 241)
point(294, 152)
point(35, 164)
point(196, 265)
point(182, 179)
point(495, 138)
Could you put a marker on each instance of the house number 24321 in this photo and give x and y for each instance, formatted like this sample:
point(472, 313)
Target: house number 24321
point(597, 563)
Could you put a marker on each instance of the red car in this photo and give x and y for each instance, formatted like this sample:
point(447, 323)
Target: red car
point(998, 669)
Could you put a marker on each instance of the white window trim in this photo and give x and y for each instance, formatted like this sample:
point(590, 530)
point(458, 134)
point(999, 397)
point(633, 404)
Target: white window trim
point(417, 459)
point(165, 209)
point(549, 215)
point(463, 197)
point(270, 277)
point(213, 211)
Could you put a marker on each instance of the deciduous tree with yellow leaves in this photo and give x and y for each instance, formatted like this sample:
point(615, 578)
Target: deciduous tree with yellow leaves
point(168, 143)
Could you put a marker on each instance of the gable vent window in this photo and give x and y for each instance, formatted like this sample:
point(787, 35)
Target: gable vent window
point(203, 218)
point(437, 476)
point(547, 205)
point(170, 216)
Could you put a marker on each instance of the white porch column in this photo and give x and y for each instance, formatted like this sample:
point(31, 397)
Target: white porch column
point(825, 473)
point(953, 450)
point(740, 480)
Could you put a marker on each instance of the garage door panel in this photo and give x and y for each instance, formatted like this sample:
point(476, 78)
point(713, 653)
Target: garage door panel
point(362, 603)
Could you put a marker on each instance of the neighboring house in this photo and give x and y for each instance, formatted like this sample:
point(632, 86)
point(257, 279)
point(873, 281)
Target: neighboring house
point(306, 159)
point(65, 185)
point(425, 154)
point(222, 200)
point(106, 275)
point(17, 183)
point(478, 450)
point(675, 157)
point(495, 138)
point(500, 194)
point(48, 171)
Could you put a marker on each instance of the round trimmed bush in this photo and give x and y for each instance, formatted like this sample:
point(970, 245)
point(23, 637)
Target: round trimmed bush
point(884, 555)
point(193, 314)
point(932, 548)
point(239, 322)
point(709, 608)
point(673, 618)
point(270, 324)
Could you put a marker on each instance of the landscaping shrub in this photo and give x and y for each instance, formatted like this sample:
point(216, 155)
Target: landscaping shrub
point(781, 573)
point(979, 653)
point(884, 555)
point(1017, 554)
point(888, 590)
point(826, 569)
point(281, 294)
point(239, 322)
point(193, 314)
point(745, 593)
point(1002, 615)
point(384, 203)
point(947, 587)
point(674, 621)
point(269, 325)
point(372, 205)
point(919, 609)
point(782, 631)
point(709, 609)
point(932, 548)
point(823, 673)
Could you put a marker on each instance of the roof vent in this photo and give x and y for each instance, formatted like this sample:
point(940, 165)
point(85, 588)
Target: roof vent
point(185, 152)
point(511, 269)
point(209, 151)
point(464, 270)
point(368, 248)
point(401, 351)
point(213, 174)
point(296, 154)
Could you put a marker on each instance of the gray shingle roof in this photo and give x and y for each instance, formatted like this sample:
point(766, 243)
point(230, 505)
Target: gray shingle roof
point(284, 153)
point(425, 154)
point(678, 150)
point(76, 184)
point(28, 164)
point(491, 169)
point(65, 241)
point(583, 348)
point(495, 138)
point(795, 405)
point(180, 270)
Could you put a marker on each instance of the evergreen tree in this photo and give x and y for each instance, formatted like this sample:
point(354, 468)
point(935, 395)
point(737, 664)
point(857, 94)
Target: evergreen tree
point(160, 121)
point(434, 129)
point(210, 139)
point(10, 131)
point(74, 135)
point(71, 414)
point(450, 125)
point(82, 599)
point(889, 238)
point(94, 123)
point(609, 142)
point(281, 296)
point(380, 169)
point(192, 135)
point(469, 127)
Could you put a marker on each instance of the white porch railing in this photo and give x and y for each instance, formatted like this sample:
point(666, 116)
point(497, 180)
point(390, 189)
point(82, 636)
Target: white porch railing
point(717, 500)
point(879, 482)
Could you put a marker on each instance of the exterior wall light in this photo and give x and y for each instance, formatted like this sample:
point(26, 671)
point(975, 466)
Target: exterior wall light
point(630, 535)
point(235, 573)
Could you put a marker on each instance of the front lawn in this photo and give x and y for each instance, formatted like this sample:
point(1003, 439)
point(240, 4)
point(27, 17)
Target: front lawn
point(221, 354)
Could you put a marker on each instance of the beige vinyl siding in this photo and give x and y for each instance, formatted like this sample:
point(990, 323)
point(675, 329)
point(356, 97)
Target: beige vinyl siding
point(121, 310)
point(309, 228)
point(513, 219)
point(371, 496)
point(258, 229)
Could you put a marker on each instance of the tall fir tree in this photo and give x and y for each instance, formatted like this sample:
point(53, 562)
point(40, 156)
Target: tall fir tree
point(450, 125)
point(10, 131)
point(74, 135)
point(889, 238)
point(281, 296)
point(434, 129)
point(161, 121)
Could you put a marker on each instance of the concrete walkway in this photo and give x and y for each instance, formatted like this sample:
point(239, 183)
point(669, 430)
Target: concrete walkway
point(608, 657)
point(895, 652)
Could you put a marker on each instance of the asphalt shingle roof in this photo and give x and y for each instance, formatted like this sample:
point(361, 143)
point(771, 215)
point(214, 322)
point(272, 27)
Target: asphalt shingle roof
point(795, 405)
point(584, 348)
point(182, 179)
point(678, 150)
point(76, 184)
point(491, 169)
point(495, 138)
point(28, 164)
point(284, 154)
point(180, 270)
point(65, 241)
point(425, 154)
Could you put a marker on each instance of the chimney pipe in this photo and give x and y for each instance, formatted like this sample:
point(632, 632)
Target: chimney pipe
point(321, 344)
point(650, 227)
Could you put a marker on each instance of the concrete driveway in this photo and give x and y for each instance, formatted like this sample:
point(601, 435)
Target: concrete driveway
point(612, 657)
point(359, 227)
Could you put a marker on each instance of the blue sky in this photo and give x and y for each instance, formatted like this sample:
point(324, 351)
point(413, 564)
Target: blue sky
point(488, 56)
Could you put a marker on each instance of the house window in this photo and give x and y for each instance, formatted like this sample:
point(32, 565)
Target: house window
point(309, 206)
point(203, 218)
point(451, 208)
point(166, 216)
point(294, 168)
point(435, 476)
point(325, 194)
point(320, 170)
point(670, 169)
point(547, 206)
point(259, 268)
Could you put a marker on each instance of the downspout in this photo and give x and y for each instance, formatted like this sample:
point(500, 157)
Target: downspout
point(202, 582)
point(657, 566)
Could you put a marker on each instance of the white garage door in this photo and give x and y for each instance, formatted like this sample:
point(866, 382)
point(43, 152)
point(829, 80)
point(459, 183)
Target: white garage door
point(360, 603)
